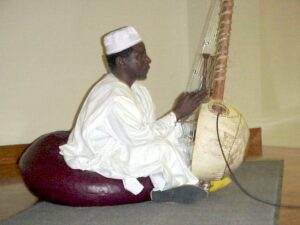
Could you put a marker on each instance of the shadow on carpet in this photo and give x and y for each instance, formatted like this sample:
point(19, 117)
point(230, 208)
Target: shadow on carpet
point(228, 206)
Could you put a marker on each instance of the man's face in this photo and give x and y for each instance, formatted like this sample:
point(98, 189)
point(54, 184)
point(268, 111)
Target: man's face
point(138, 62)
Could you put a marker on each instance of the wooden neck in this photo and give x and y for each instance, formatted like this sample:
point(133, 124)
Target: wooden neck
point(223, 37)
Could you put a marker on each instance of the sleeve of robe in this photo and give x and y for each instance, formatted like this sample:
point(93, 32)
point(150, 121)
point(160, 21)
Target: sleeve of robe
point(127, 122)
point(164, 125)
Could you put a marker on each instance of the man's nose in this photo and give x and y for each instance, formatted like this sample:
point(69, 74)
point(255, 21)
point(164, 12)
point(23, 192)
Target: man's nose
point(148, 59)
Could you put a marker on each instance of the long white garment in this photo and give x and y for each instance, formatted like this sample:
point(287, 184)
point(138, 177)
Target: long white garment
point(118, 136)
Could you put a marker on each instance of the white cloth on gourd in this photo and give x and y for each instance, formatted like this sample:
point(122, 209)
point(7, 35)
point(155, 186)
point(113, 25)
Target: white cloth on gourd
point(117, 136)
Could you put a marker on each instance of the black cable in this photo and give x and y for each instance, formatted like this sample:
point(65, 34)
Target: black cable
point(238, 183)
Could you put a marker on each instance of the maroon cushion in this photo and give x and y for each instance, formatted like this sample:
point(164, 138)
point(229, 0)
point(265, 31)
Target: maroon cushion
point(47, 176)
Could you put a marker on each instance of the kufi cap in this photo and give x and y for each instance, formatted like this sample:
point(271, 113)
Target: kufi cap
point(121, 39)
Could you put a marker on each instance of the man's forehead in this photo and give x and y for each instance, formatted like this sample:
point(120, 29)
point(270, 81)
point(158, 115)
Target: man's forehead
point(140, 47)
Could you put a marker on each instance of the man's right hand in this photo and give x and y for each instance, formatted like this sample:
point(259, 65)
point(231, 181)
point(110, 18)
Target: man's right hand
point(188, 102)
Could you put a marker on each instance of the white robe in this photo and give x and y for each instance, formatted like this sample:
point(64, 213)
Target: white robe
point(118, 136)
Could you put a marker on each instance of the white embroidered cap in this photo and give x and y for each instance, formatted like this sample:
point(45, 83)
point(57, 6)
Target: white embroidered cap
point(121, 39)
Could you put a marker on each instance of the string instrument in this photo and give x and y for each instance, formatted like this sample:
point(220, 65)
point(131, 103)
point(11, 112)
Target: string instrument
point(207, 159)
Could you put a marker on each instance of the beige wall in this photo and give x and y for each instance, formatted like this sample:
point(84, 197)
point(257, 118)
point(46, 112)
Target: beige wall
point(51, 55)
point(265, 67)
point(280, 52)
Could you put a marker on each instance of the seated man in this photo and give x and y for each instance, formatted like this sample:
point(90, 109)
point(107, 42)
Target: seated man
point(117, 134)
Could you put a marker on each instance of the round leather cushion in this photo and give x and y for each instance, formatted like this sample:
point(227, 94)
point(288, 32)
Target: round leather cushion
point(47, 176)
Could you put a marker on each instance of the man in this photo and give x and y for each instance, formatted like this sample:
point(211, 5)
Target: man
point(117, 134)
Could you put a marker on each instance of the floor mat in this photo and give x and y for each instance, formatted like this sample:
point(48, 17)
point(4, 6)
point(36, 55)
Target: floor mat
point(228, 206)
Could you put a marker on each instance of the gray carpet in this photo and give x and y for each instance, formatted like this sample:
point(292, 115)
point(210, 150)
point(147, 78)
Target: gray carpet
point(228, 206)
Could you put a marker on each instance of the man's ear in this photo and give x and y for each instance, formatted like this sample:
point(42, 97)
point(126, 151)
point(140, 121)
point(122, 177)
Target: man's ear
point(120, 61)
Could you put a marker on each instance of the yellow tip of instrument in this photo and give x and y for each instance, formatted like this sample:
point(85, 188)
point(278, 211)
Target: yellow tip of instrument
point(218, 184)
